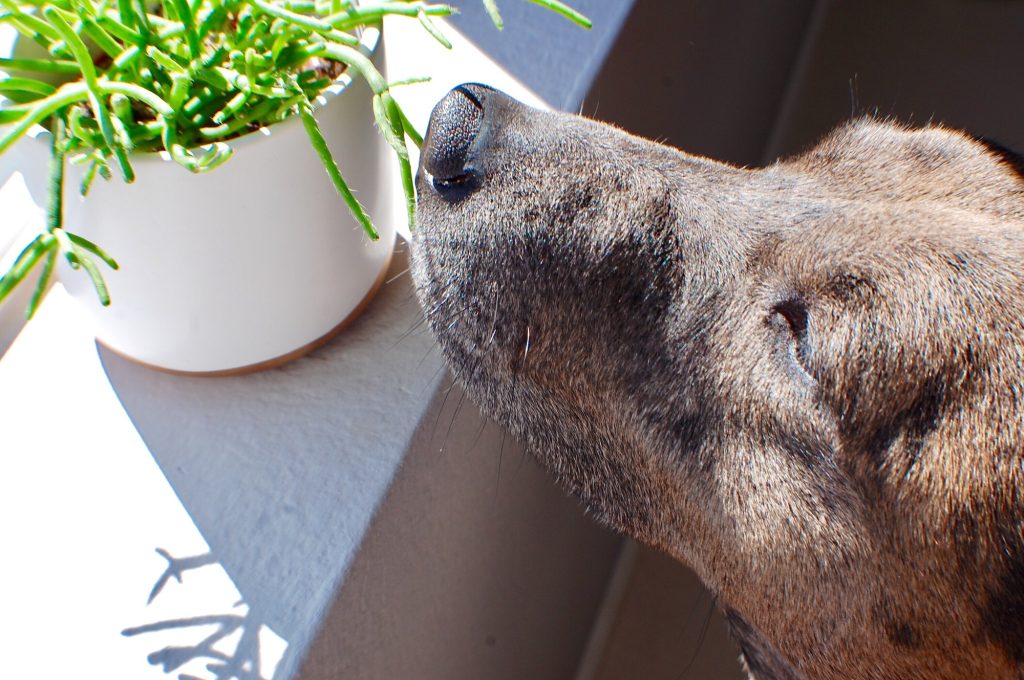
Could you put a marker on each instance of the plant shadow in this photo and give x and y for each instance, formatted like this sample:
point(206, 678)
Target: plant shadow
point(282, 470)
point(244, 662)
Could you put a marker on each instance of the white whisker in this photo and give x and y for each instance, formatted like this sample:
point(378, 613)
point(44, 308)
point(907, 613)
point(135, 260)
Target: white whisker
point(494, 318)
point(398, 275)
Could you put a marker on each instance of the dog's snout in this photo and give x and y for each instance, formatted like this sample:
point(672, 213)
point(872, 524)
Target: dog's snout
point(454, 127)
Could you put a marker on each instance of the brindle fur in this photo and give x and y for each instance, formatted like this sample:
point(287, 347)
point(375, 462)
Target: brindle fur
point(803, 381)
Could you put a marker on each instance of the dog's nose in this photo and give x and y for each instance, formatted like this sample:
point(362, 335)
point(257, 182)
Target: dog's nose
point(454, 126)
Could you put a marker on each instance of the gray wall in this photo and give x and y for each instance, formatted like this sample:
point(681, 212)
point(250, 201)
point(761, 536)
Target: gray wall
point(747, 81)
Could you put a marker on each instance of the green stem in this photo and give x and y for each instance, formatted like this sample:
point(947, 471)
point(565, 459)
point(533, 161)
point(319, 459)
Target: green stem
point(139, 94)
point(404, 165)
point(191, 34)
point(29, 85)
point(55, 66)
point(31, 21)
point(41, 110)
point(363, 15)
point(102, 292)
point(311, 23)
point(84, 59)
point(316, 138)
point(360, 62)
point(164, 60)
point(292, 17)
point(55, 207)
point(119, 29)
point(433, 30)
point(410, 129)
point(102, 39)
point(239, 122)
point(566, 11)
point(492, 11)
point(126, 13)
point(392, 133)
point(86, 244)
point(25, 261)
point(45, 275)
point(88, 177)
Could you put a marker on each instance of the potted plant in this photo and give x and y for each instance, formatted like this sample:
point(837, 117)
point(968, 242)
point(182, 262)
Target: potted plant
point(225, 270)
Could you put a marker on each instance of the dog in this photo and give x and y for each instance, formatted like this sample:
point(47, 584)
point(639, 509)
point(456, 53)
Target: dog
point(803, 381)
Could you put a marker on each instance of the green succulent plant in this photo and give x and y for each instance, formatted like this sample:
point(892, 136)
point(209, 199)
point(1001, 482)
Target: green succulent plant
point(186, 77)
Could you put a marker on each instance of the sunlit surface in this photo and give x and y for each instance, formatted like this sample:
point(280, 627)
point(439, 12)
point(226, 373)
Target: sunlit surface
point(105, 573)
point(92, 530)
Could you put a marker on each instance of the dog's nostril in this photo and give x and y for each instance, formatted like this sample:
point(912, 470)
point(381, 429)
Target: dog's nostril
point(454, 126)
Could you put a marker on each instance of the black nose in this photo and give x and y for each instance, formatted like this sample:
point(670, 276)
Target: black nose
point(454, 126)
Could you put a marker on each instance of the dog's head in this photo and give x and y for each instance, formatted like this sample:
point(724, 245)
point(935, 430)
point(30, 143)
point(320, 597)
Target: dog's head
point(804, 381)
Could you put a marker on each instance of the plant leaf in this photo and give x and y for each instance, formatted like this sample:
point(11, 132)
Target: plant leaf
point(23, 264)
point(97, 280)
point(88, 245)
point(67, 247)
point(432, 29)
point(16, 84)
point(316, 138)
point(387, 127)
point(566, 11)
point(42, 285)
point(56, 66)
point(55, 205)
point(492, 11)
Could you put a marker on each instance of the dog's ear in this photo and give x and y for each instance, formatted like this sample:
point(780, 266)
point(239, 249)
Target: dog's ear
point(867, 158)
point(1010, 158)
point(789, 320)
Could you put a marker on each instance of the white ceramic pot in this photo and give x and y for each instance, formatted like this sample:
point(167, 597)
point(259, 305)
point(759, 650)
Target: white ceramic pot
point(246, 266)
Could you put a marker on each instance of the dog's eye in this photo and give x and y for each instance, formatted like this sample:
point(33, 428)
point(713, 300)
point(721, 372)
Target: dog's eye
point(790, 322)
point(458, 186)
